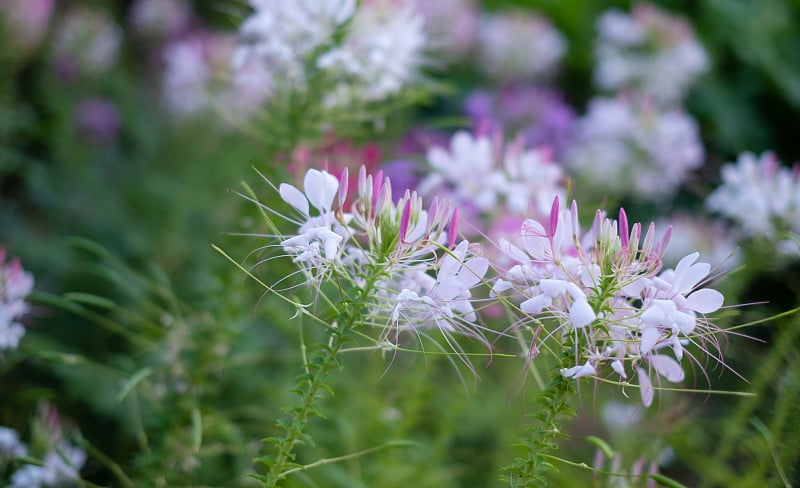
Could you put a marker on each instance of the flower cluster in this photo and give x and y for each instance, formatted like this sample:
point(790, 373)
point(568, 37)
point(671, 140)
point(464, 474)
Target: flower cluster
point(61, 461)
point(15, 284)
point(450, 25)
point(87, 42)
point(518, 46)
point(633, 148)
point(762, 196)
point(481, 173)
point(648, 51)
point(380, 55)
point(371, 51)
point(419, 282)
point(606, 291)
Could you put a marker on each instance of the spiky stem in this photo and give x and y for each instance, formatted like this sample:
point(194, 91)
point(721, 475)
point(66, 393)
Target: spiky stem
point(312, 383)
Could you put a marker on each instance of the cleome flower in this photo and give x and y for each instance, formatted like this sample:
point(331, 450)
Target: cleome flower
point(15, 285)
point(648, 51)
point(762, 197)
point(403, 257)
point(607, 295)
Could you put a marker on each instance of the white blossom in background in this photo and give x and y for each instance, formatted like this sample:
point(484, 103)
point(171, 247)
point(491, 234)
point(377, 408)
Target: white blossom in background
point(61, 461)
point(762, 197)
point(518, 45)
point(648, 51)
point(187, 75)
point(451, 26)
point(10, 445)
point(711, 238)
point(87, 40)
point(605, 290)
point(283, 34)
point(483, 173)
point(60, 466)
point(369, 51)
point(160, 18)
point(15, 285)
point(380, 55)
point(628, 147)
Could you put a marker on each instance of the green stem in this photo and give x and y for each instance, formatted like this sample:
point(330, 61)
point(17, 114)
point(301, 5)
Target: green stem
point(539, 441)
point(311, 384)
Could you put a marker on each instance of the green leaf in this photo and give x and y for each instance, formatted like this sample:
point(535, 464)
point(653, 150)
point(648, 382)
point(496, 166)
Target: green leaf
point(602, 445)
point(664, 481)
point(134, 380)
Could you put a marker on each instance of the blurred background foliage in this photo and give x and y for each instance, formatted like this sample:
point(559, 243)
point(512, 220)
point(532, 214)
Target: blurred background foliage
point(173, 364)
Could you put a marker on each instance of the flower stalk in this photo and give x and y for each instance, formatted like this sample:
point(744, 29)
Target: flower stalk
point(312, 383)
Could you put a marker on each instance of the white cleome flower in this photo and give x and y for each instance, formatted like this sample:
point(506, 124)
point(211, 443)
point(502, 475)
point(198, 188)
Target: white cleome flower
point(628, 147)
point(380, 55)
point(649, 51)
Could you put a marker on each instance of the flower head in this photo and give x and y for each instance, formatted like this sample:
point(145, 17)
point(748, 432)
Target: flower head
point(761, 196)
point(605, 290)
point(649, 51)
point(15, 285)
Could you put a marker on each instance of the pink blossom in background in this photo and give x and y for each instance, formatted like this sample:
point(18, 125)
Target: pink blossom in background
point(26, 22)
point(98, 120)
point(538, 113)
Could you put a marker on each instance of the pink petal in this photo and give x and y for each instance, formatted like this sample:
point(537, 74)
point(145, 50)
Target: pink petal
point(667, 367)
point(645, 387)
point(705, 300)
point(294, 197)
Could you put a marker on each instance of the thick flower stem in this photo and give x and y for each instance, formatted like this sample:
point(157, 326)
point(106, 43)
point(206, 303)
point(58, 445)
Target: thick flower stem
point(311, 384)
point(540, 440)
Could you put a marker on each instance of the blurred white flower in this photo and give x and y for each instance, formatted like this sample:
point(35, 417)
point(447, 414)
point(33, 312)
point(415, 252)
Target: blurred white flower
point(15, 285)
point(628, 147)
point(88, 39)
point(283, 34)
point(160, 17)
point(518, 45)
point(761, 196)
point(450, 25)
point(648, 51)
point(380, 55)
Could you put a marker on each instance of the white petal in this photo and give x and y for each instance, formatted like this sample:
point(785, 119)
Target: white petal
point(513, 251)
point(667, 367)
point(694, 275)
point(535, 305)
point(705, 300)
point(645, 387)
point(294, 197)
point(619, 368)
point(553, 288)
point(581, 314)
point(321, 188)
point(473, 272)
point(650, 336)
point(578, 371)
